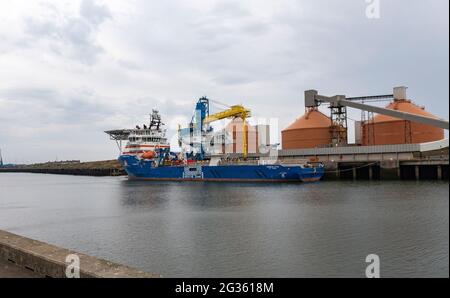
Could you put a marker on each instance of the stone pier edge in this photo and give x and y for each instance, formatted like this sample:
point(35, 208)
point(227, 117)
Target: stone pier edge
point(50, 261)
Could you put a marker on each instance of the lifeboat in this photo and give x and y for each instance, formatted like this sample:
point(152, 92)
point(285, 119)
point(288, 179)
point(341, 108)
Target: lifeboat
point(148, 155)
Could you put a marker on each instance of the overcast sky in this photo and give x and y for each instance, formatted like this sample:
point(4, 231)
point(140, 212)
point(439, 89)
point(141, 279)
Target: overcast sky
point(71, 69)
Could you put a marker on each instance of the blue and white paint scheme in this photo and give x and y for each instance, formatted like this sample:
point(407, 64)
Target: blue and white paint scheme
point(150, 170)
point(147, 156)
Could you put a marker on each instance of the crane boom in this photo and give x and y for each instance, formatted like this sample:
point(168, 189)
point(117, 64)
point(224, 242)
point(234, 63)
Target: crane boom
point(237, 111)
point(199, 125)
point(233, 112)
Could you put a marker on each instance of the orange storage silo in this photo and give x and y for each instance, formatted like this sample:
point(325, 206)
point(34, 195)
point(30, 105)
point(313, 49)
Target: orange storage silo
point(312, 130)
point(386, 130)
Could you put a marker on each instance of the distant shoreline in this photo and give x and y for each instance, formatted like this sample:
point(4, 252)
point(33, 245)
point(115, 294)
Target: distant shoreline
point(96, 168)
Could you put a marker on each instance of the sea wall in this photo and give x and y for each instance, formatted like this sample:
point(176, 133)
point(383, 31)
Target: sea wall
point(50, 261)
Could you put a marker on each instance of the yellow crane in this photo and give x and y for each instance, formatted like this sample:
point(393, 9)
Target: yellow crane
point(237, 111)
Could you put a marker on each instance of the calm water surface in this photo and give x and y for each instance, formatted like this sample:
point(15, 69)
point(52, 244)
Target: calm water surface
point(324, 229)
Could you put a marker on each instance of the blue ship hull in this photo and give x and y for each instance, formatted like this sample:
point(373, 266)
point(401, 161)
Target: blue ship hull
point(145, 170)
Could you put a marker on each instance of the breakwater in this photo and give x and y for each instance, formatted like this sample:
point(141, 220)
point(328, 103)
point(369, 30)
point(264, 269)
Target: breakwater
point(96, 168)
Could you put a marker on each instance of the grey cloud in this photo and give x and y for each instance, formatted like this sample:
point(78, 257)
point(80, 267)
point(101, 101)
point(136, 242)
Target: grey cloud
point(225, 25)
point(94, 13)
point(230, 9)
point(71, 35)
point(52, 106)
point(129, 65)
point(77, 31)
point(165, 54)
point(229, 78)
point(42, 28)
point(27, 94)
point(229, 20)
point(84, 107)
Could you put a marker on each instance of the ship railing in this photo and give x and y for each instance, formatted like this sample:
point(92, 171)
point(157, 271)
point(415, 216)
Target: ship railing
point(147, 132)
point(238, 163)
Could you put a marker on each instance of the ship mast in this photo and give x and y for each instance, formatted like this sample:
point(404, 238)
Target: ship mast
point(155, 120)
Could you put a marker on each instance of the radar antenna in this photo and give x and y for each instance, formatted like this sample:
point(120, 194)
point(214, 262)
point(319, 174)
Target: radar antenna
point(155, 120)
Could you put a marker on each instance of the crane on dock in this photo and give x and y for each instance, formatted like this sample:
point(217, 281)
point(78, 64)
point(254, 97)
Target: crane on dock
point(199, 126)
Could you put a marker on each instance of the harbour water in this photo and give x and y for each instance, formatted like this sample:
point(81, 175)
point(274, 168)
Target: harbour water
point(323, 229)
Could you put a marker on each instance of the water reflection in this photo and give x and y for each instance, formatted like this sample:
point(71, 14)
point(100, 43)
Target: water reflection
point(198, 195)
point(230, 229)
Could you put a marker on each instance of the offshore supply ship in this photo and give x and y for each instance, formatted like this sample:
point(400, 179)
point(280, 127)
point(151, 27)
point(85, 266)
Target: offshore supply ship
point(146, 155)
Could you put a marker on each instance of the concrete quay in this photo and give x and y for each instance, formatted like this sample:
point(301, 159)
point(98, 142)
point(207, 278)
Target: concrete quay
point(10, 270)
point(426, 161)
point(22, 257)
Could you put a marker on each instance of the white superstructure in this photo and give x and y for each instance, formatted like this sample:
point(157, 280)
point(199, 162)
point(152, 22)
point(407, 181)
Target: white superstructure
point(139, 140)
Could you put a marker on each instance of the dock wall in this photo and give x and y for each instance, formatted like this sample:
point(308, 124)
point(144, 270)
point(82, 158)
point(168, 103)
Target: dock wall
point(50, 261)
point(427, 161)
point(378, 171)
